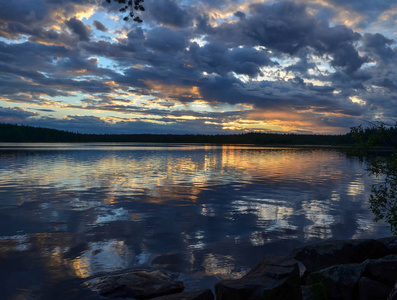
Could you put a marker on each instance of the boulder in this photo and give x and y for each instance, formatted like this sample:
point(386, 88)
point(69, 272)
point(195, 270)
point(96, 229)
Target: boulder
point(193, 295)
point(393, 294)
point(373, 279)
point(313, 292)
point(391, 243)
point(369, 289)
point(338, 282)
point(273, 278)
point(323, 255)
point(136, 284)
point(383, 269)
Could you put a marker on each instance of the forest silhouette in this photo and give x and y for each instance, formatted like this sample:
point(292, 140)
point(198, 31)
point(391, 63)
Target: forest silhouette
point(28, 134)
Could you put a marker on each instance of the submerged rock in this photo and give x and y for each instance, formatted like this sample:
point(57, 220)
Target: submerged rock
point(275, 278)
point(136, 284)
point(173, 262)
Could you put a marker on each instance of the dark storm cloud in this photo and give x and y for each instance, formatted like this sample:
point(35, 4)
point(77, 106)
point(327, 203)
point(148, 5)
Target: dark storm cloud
point(37, 17)
point(240, 15)
point(76, 63)
point(126, 50)
point(92, 124)
point(278, 95)
point(15, 115)
point(166, 114)
point(36, 69)
point(169, 13)
point(23, 11)
point(78, 28)
point(14, 30)
point(215, 57)
point(302, 66)
point(31, 56)
point(286, 27)
point(45, 110)
point(98, 25)
point(366, 6)
point(369, 8)
point(216, 3)
point(164, 39)
point(382, 72)
point(379, 47)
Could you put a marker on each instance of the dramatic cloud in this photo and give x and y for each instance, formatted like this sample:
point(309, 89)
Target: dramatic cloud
point(15, 115)
point(98, 25)
point(79, 29)
point(198, 66)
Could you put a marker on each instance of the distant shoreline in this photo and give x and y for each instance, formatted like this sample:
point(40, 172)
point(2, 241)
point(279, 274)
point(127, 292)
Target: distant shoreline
point(10, 133)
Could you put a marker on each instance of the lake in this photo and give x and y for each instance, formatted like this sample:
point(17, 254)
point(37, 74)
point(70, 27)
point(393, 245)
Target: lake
point(202, 212)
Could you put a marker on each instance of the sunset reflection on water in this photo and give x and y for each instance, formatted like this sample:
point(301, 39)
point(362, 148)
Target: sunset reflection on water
point(80, 210)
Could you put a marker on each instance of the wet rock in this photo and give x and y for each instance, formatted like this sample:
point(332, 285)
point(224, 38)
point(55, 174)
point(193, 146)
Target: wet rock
point(369, 289)
point(273, 278)
point(323, 255)
point(339, 282)
point(194, 295)
point(136, 284)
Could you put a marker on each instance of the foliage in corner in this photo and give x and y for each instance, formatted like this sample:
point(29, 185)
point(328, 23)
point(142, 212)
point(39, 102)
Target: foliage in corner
point(131, 7)
point(383, 165)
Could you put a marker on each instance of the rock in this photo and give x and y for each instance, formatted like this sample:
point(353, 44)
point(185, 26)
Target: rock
point(373, 279)
point(391, 243)
point(393, 294)
point(136, 284)
point(383, 269)
point(339, 282)
point(323, 255)
point(313, 292)
point(369, 289)
point(194, 295)
point(273, 278)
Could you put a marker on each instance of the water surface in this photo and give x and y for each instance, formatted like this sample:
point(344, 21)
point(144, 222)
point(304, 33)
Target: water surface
point(204, 213)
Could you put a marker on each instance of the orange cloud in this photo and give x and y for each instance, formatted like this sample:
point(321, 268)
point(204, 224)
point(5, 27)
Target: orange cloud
point(280, 121)
point(174, 90)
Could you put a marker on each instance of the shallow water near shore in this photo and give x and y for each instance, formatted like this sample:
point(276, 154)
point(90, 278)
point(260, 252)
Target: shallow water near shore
point(202, 212)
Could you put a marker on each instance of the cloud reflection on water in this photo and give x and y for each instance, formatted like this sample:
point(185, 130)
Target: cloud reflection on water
point(83, 210)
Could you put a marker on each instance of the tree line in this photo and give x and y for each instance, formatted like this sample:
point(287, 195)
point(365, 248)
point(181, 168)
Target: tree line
point(30, 134)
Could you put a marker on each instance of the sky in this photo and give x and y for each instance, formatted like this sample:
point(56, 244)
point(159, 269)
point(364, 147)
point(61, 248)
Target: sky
point(199, 67)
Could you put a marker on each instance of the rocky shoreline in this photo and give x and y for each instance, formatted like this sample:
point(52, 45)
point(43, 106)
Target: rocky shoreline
point(335, 270)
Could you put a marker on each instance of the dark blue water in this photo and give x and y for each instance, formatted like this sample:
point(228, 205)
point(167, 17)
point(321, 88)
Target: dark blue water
point(204, 213)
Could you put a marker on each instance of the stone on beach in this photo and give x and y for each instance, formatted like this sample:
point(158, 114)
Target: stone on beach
point(372, 279)
point(336, 270)
point(193, 295)
point(275, 278)
point(136, 284)
point(323, 255)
